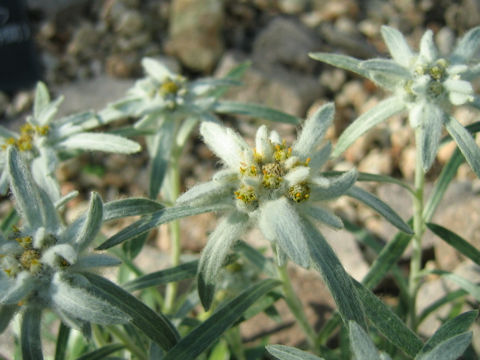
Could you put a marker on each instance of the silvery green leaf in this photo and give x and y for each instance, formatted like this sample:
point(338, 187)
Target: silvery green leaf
point(23, 284)
point(65, 199)
point(91, 225)
point(47, 113)
point(323, 215)
point(430, 118)
point(428, 50)
point(76, 123)
point(459, 91)
point(366, 121)
point(472, 288)
point(361, 344)
point(205, 193)
point(45, 180)
point(154, 325)
point(388, 323)
point(336, 278)
point(380, 207)
point(397, 45)
point(466, 143)
point(5, 133)
point(75, 323)
point(93, 261)
point(314, 130)
point(156, 69)
point(42, 99)
point(6, 314)
point(213, 256)
point(468, 47)
point(388, 68)
point(254, 110)
point(449, 329)
point(450, 349)
point(224, 142)
point(4, 182)
point(183, 271)
point(160, 150)
point(80, 303)
point(201, 87)
point(341, 61)
point(151, 121)
point(281, 224)
point(320, 157)
point(129, 207)
point(282, 352)
point(336, 186)
point(160, 217)
point(186, 128)
point(27, 196)
point(30, 334)
point(99, 142)
point(129, 106)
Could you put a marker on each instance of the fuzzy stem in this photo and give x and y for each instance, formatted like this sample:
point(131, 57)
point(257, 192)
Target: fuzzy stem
point(295, 305)
point(171, 290)
point(419, 229)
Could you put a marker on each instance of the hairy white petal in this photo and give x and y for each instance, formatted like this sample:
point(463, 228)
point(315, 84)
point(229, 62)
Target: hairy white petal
point(23, 284)
point(156, 69)
point(275, 137)
point(460, 91)
point(314, 130)
point(54, 255)
point(205, 193)
point(324, 215)
point(397, 45)
point(428, 50)
point(281, 224)
point(226, 176)
point(263, 145)
point(297, 175)
point(415, 115)
point(225, 143)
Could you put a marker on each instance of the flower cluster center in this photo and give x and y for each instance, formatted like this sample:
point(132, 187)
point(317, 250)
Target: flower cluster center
point(27, 133)
point(264, 177)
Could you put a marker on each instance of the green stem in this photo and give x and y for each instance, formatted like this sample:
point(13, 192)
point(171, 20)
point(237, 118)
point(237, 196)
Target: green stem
point(419, 229)
point(171, 290)
point(295, 305)
point(129, 344)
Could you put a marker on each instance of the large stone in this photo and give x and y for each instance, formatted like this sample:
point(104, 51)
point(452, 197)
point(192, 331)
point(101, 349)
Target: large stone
point(196, 33)
point(287, 43)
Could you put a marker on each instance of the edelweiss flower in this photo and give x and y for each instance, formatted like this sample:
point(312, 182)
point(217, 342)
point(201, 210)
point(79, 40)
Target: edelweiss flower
point(276, 187)
point(426, 84)
point(41, 262)
point(42, 138)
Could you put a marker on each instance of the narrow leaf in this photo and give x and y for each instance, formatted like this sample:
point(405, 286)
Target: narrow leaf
point(161, 146)
point(388, 67)
point(156, 326)
point(467, 47)
point(129, 207)
point(466, 143)
point(282, 352)
point(157, 218)
point(99, 142)
point(181, 272)
point(379, 206)
point(256, 258)
point(450, 349)
point(101, 353)
point(467, 285)
point(397, 45)
point(6, 314)
point(366, 121)
point(388, 323)
point(341, 61)
point(62, 342)
point(361, 344)
point(451, 328)
point(206, 334)
point(254, 110)
point(215, 252)
point(450, 297)
point(335, 276)
point(42, 98)
point(463, 246)
point(92, 223)
point(30, 338)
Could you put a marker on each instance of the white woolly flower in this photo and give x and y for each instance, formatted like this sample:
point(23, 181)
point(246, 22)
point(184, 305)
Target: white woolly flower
point(273, 186)
point(427, 84)
point(42, 261)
